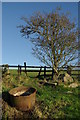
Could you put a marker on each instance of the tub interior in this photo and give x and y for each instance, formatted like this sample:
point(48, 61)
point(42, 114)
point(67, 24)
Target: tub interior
point(22, 91)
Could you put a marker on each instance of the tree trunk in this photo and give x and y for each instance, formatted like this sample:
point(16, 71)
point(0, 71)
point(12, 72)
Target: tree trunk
point(55, 77)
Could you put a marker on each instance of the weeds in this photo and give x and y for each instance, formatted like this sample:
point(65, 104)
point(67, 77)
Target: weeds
point(51, 102)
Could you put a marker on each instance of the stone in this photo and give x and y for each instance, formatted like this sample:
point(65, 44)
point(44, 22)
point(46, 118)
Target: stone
point(73, 85)
point(67, 78)
point(69, 92)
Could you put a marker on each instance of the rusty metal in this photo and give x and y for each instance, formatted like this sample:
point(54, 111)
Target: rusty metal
point(24, 101)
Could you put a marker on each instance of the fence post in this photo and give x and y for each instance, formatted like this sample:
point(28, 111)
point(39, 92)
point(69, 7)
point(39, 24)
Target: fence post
point(8, 70)
point(44, 72)
point(40, 71)
point(25, 68)
point(52, 73)
point(69, 70)
point(18, 69)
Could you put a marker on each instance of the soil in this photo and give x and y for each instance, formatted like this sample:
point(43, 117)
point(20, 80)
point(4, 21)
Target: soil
point(9, 112)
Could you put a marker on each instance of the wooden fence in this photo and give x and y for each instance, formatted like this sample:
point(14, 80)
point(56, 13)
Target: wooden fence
point(26, 69)
point(38, 69)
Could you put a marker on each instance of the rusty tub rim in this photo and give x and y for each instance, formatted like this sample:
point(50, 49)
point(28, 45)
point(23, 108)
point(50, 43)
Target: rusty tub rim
point(11, 92)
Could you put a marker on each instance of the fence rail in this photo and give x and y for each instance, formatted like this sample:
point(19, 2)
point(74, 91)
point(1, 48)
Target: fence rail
point(22, 66)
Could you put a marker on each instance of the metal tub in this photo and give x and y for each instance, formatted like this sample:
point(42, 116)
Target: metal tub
point(23, 98)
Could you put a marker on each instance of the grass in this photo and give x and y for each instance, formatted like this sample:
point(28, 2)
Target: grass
point(51, 102)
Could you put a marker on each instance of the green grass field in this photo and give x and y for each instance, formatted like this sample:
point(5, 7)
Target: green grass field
point(51, 102)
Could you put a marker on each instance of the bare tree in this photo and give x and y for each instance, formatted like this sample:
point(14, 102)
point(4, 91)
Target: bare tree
point(54, 37)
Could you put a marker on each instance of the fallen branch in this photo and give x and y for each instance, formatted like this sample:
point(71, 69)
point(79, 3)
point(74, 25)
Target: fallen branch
point(48, 83)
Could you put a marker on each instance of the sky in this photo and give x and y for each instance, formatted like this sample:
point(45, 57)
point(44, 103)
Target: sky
point(0, 33)
point(15, 48)
point(40, 0)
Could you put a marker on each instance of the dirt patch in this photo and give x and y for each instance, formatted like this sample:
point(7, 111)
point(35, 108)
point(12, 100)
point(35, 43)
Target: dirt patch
point(9, 112)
